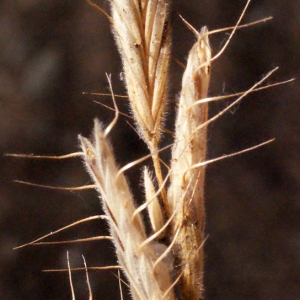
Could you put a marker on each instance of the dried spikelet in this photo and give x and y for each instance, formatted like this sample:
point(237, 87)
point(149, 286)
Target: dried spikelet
point(185, 194)
point(143, 38)
point(128, 233)
point(142, 33)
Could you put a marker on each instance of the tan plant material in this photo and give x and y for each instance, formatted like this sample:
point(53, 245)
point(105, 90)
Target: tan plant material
point(168, 263)
point(128, 233)
point(186, 192)
point(142, 33)
point(154, 209)
point(143, 38)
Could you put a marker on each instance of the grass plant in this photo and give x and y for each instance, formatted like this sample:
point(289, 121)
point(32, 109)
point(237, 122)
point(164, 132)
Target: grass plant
point(168, 263)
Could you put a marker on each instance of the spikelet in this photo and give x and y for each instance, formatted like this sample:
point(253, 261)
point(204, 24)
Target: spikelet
point(143, 37)
point(185, 194)
point(142, 33)
point(128, 233)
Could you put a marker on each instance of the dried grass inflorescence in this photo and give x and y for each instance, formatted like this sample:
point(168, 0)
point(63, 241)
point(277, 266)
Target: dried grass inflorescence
point(186, 192)
point(142, 33)
point(128, 233)
point(168, 263)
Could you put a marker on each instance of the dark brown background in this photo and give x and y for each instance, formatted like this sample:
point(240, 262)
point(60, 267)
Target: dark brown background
point(52, 51)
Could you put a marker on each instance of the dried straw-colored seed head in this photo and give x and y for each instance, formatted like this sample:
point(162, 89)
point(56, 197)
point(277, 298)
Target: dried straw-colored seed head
point(128, 233)
point(142, 33)
point(185, 194)
point(143, 37)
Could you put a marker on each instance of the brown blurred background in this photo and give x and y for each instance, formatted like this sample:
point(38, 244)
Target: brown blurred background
point(52, 51)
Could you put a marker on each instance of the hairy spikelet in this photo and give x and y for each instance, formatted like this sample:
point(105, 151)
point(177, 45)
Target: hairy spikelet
point(185, 194)
point(142, 33)
point(128, 233)
point(143, 38)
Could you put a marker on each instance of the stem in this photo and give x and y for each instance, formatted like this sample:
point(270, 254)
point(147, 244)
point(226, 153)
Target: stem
point(158, 174)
